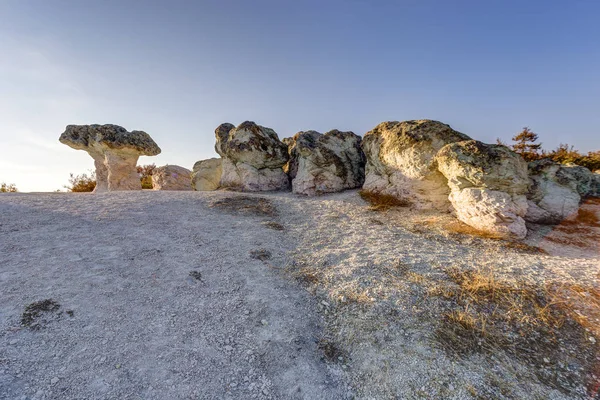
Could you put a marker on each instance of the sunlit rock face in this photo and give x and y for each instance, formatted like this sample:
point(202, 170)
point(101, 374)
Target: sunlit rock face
point(206, 174)
point(253, 157)
point(556, 190)
point(400, 161)
point(488, 185)
point(115, 152)
point(171, 177)
point(325, 163)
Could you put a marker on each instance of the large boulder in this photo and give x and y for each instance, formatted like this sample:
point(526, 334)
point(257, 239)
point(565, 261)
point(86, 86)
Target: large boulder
point(115, 152)
point(488, 186)
point(325, 163)
point(588, 184)
point(253, 157)
point(171, 177)
point(400, 161)
point(556, 190)
point(206, 174)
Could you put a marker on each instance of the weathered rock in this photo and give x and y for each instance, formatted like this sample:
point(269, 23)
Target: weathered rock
point(253, 157)
point(400, 160)
point(115, 152)
point(556, 190)
point(488, 185)
point(171, 177)
point(206, 174)
point(587, 185)
point(324, 163)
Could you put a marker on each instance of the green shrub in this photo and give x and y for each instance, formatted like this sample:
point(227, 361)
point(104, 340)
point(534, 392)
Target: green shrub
point(145, 172)
point(82, 183)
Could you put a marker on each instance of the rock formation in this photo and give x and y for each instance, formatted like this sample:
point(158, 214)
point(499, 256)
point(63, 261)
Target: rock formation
point(115, 152)
point(556, 190)
point(253, 157)
point(400, 160)
point(206, 174)
point(488, 185)
point(171, 177)
point(324, 163)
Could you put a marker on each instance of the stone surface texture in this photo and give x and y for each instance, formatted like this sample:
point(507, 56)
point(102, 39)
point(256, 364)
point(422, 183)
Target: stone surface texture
point(400, 161)
point(206, 174)
point(171, 177)
point(556, 190)
point(115, 152)
point(488, 186)
point(325, 163)
point(253, 157)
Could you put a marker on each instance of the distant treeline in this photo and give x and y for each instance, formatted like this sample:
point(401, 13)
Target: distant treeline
point(526, 144)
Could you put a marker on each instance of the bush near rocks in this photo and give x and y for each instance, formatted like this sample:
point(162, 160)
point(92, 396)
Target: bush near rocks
point(8, 188)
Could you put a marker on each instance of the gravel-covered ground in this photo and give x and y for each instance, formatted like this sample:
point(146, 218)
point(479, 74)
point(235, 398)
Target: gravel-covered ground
point(191, 295)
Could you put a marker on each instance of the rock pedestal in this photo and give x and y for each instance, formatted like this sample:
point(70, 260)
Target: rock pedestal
point(115, 152)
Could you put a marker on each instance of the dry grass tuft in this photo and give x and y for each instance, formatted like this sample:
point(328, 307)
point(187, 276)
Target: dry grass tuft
point(257, 206)
point(543, 326)
point(383, 202)
point(307, 276)
point(460, 228)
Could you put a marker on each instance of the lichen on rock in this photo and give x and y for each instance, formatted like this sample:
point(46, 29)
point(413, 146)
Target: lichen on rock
point(325, 163)
point(400, 161)
point(253, 157)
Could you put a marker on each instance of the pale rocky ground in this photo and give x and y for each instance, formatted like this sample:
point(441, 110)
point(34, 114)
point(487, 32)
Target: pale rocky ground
point(240, 327)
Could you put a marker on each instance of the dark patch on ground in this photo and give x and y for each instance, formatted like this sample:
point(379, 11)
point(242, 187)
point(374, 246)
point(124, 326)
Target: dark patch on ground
point(246, 205)
point(331, 352)
point(274, 225)
point(196, 275)
point(260, 254)
point(34, 311)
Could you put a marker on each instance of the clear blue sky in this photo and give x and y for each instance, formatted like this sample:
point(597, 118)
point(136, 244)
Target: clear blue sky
point(177, 69)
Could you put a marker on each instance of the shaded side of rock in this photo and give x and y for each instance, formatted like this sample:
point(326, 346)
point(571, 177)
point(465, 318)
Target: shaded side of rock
point(206, 174)
point(488, 186)
point(171, 177)
point(556, 190)
point(400, 161)
point(115, 152)
point(253, 157)
point(325, 163)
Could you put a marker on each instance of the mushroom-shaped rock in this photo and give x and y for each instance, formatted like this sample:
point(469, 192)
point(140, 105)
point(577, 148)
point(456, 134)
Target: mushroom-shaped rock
point(488, 185)
point(556, 190)
point(115, 152)
point(324, 163)
point(400, 160)
point(206, 174)
point(253, 157)
point(171, 177)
